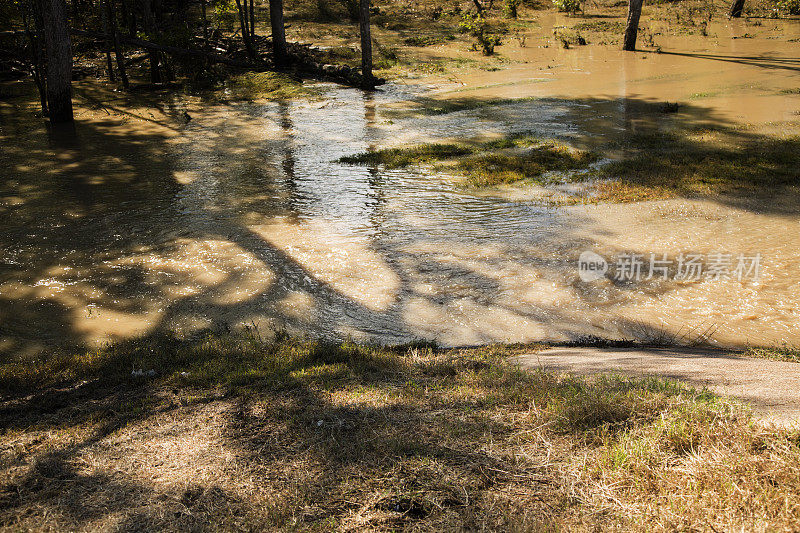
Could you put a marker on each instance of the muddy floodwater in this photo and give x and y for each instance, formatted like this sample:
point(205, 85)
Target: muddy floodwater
point(146, 221)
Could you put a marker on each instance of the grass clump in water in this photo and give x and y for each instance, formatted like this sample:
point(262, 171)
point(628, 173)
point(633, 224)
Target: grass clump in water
point(404, 157)
point(495, 168)
point(505, 160)
point(267, 85)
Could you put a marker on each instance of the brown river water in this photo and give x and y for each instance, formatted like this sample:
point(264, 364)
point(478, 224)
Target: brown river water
point(143, 222)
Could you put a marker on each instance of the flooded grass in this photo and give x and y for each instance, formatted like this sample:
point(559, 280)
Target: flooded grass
point(509, 159)
point(232, 431)
point(314, 435)
point(701, 162)
point(413, 155)
point(649, 165)
point(490, 169)
point(268, 86)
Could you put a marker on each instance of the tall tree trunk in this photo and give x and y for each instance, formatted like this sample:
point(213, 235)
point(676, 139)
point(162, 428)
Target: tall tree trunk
point(110, 64)
point(112, 22)
point(109, 42)
point(252, 19)
point(244, 23)
point(367, 80)
point(278, 32)
point(205, 24)
point(632, 28)
point(59, 60)
point(737, 7)
point(34, 35)
point(149, 26)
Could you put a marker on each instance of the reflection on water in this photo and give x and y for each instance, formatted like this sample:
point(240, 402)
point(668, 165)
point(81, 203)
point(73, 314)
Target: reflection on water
point(143, 222)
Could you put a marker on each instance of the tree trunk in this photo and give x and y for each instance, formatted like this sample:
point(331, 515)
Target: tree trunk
point(109, 42)
point(243, 22)
point(205, 24)
point(59, 60)
point(632, 29)
point(110, 64)
point(737, 7)
point(367, 80)
point(278, 32)
point(34, 38)
point(149, 26)
point(252, 19)
point(112, 22)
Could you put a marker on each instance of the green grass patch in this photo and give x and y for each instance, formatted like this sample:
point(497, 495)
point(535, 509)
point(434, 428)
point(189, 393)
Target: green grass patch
point(776, 353)
point(267, 85)
point(508, 159)
point(701, 162)
point(616, 27)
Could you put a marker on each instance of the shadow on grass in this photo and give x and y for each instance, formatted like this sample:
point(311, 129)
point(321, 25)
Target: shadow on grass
point(311, 435)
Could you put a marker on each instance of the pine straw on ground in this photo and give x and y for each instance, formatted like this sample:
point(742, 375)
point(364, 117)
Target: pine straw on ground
point(238, 434)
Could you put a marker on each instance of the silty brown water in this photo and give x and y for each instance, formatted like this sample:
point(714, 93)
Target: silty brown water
point(144, 222)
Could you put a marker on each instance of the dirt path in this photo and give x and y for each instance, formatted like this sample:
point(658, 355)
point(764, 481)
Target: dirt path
point(772, 388)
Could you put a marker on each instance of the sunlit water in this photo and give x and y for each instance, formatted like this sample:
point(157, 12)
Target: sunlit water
point(143, 222)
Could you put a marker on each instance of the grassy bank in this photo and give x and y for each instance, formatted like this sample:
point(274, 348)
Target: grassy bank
point(776, 353)
point(236, 433)
point(698, 162)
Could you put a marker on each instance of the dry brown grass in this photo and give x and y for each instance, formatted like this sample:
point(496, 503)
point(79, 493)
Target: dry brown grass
point(314, 436)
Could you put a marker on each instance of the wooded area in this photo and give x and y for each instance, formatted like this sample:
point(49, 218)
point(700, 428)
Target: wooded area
point(180, 38)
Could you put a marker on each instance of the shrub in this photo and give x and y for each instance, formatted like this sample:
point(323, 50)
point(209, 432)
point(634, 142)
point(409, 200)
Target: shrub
point(567, 6)
point(476, 26)
point(510, 8)
point(788, 7)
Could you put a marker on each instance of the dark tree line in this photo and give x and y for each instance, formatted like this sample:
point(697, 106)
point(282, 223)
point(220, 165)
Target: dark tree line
point(176, 36)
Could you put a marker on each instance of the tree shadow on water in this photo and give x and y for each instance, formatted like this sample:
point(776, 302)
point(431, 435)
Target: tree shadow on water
point(94, 220)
